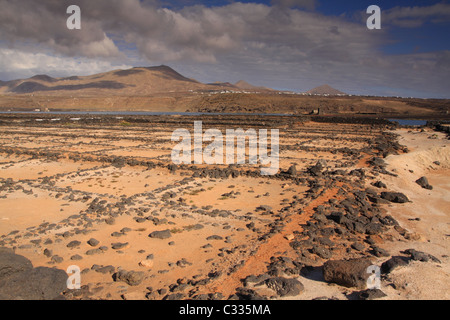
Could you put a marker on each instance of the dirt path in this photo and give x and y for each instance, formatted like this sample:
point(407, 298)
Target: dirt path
point(257, 264)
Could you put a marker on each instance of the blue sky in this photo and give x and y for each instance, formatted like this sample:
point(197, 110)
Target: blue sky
point(284, 44)
point(427, 37)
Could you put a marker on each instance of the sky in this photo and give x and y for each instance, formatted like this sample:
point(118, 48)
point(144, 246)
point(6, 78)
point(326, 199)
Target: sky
point(283, 44)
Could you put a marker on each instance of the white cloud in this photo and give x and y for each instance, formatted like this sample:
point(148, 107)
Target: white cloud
point(16, 64)
point(307, 4)
point(413, 17)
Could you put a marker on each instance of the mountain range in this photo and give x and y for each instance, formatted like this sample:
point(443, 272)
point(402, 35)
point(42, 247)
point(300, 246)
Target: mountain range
point(139, 81)
point(326, 90)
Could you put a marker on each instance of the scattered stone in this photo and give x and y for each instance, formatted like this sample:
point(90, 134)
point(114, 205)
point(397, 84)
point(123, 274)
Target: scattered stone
point(165, 234)
point(93, 251)
point(421, 256)
point(347, 273)
point(317, 169)
point(423, 182)
point(248, 294)
point(256, 279)
point(107, 269)
point(183, 263)
point(110, 221)
point(358, 246)
point(175, 296)
point(73, 244)
point(76, 257)
point(48, 253)
point(289, 237)
point(214, 237)
point(147, 263)
point(57, 259)
point(133, 296)
point(370, 294)
point(373, 228)
point(118, 245)
point(394, 262)
point(285, 287)
point(379, 252)
point(132, 278)
point(412, 236)
point(380, 184)
point(93, 242)
point(117, 234)
point(292, 170)
point(395, 197)
point(321, 251)
point(264, 208)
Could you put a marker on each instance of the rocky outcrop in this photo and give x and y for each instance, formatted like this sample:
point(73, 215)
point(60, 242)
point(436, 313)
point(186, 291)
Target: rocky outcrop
point(20, 281)
point(347, 273)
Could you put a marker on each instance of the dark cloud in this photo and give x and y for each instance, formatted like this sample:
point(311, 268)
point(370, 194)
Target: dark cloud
point(45, 23)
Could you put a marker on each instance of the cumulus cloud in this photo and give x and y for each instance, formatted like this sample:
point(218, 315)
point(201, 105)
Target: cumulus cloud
point(413, 17)
point(16, 64)
point(45, 23)
point(306, 4)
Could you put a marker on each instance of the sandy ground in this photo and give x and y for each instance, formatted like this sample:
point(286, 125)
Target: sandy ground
point(427, 214)
point(418, 280)
point(217, 225)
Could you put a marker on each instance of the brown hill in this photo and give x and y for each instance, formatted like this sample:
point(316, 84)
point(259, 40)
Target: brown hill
point(164, 89)
point(325, 90)
point(247, 86)
point(140, 81)
point(223, 85)
point(136, 81)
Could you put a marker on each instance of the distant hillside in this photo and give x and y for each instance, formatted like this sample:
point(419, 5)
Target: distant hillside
point(326, 90)
point(162, 89)
point(225, 85)
point(247, 86)
point(140, 81)
point(136, 81)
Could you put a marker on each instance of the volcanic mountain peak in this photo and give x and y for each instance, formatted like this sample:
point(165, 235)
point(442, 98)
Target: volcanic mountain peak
point(247, 86)
point(43, 77)
point(244, 85)
point(227, 85)
point(168, 72)
point(326, 90)
point(134, 81)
